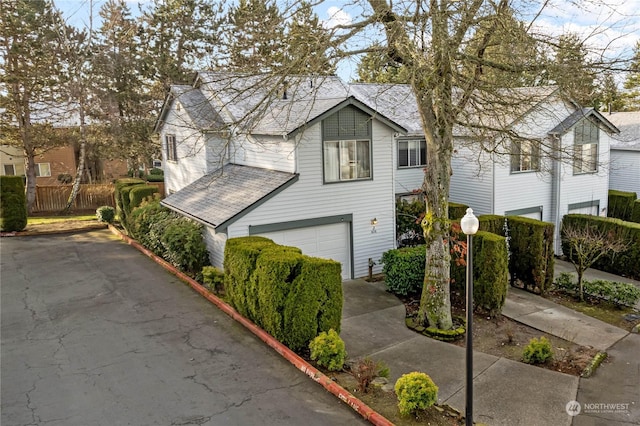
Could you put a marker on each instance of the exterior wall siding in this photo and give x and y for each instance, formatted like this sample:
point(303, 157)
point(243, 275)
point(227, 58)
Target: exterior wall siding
point(311, 198)
point(624, 172)
point(215, 245)
point(273, 153)
point(472, 180)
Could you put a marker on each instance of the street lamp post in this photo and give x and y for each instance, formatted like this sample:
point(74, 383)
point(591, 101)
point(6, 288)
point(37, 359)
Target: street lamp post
point(469, 225)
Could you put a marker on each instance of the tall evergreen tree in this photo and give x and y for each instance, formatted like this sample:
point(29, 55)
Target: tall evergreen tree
point(307, 44)
point(632, 82)
point(31, 69)
point(571, 70)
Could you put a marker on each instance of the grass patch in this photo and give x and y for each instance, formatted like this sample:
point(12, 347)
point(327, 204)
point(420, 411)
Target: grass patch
point(43, 220)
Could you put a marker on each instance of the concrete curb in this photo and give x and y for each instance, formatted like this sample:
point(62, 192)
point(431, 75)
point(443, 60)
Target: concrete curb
point(358, 406)
point(61, 231)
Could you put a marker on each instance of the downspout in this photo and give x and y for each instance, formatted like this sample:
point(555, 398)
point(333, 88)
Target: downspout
point(493, 184)
point(557, 169)
point(394, 169)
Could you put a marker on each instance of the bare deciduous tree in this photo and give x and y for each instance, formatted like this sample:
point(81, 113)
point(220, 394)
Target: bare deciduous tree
point(588, 244)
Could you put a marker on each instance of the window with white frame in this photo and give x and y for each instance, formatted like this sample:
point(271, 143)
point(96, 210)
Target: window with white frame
point(347, 145)
point(586, 138)
point(170, 143)
point(9, 170)
point(412, 153)
point(525, 156)
point(43, 169)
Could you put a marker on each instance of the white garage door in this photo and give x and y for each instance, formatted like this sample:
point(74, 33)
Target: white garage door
point(592, 210)
point(534, 215)
point(325, 241)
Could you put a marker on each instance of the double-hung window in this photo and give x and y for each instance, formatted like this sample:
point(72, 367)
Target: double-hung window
point(346, 146)
point(586, 138)
point(43, 169)
point(172, 152)
point(9, 169)
point(412, 153)
point(525, 156)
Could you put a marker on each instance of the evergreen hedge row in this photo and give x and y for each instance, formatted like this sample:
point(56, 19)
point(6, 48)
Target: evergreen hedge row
point(621, 204)
point(13, 204)
point(531, 258)
point(138, 193)
point(626, 263)
point(635, 213)
point(404, 271)
point(122, 199)
point(292, 296)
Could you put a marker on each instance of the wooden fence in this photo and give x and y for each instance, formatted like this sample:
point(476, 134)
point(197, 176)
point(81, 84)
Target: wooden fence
point(91, 196)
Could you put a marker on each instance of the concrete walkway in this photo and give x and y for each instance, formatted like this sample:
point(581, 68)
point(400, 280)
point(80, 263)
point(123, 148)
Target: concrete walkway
point(505, 392)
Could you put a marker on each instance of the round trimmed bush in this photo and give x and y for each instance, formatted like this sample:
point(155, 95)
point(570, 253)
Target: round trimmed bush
point(328, 350)
point(415, 391)
point(106, 214)
point(538, 351)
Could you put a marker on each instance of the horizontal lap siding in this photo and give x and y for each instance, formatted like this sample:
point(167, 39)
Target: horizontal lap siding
point(269, 152)
point(472, 181)
point(625, 171)
point(215, 245)
point(310, 198)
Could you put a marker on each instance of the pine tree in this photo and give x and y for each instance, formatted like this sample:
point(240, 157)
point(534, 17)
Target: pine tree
point(572, 72)
point(632, 82)
point(307, 43)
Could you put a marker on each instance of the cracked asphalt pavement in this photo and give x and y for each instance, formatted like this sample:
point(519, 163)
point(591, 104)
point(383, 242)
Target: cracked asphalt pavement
point(95, 333)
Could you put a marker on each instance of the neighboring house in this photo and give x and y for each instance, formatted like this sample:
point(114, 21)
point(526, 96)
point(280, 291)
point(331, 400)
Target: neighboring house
point(55, 166)
point(624, 174)
point(320, 164)
point(562, 168)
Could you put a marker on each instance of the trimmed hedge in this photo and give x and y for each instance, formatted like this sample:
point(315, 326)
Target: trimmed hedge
point(408, 229)
point(120, 198)
point(404, 269)
point(292, 296)
point(621, 204)
point(635, 213)
point(492, 223)
point(626, 263)
point(138, 193)
point(13, 204)
point(532, 257)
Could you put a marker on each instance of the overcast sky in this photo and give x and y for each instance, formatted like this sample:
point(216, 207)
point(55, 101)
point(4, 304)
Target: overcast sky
point(614, 26)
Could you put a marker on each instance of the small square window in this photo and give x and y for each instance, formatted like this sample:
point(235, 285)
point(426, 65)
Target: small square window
point(43, 170)
point(9, 170)
point(412, 153)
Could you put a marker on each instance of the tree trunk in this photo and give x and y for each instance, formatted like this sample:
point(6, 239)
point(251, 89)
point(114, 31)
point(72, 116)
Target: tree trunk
point(81, 160)
point(30, 171)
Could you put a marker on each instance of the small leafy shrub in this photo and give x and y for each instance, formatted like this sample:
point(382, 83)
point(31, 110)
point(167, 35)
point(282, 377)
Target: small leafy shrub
point(156, 171)
point(327, 349)
point(106, 214)
point(366, 370)
point(538, 351)
point(404, 269)
point(415, 391)
point(154, 178)
point(621, 294)
point(213, 278)
point(566, 282)
point(184, 246)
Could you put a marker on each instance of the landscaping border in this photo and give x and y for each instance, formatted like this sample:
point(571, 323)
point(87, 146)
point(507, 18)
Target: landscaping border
point(317, 376)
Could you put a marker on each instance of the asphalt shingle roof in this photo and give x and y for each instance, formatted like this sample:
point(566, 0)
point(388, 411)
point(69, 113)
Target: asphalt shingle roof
point(223, 196)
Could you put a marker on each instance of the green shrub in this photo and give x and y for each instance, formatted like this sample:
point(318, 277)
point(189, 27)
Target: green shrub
point(404, 269)
point(327, 349)
point(538, 351)
point(492, 223)
point(621, 294)
point(408, 215)
point(366, 370)
point(314, 303)
point(415, 391)
point(184, 246)
point(567, 282)
point(635, 213)
point(457, 210)
point(142, 219)
point(105, 214)
point(156, 172)
point(154, 178)
point(120, 198)
point(138, 193)
point(621, 204)
point(491, 272)
point(213, 278)
point(532, 255)
point(626, 263)
point(13, 204)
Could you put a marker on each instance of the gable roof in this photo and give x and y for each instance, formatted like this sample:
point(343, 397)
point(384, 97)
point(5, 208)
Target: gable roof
point(196, 106)
point(629, 125)
point(573, 119)
point(220, 198)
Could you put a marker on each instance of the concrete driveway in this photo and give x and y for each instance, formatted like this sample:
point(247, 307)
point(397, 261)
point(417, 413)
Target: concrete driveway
point(95, 333)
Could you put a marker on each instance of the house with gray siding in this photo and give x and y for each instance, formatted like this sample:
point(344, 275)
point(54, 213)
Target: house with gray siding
point(624, 172)
point(561, 167)
point(317, 163)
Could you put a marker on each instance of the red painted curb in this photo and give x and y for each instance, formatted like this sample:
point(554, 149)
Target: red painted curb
point(358, 406)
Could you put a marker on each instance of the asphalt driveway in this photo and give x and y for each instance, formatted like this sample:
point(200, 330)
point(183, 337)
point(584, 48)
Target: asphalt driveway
point(95, 333)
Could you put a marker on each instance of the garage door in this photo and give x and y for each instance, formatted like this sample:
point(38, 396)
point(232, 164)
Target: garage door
point(534, 215)
point(326, 241)
point(592, 210)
